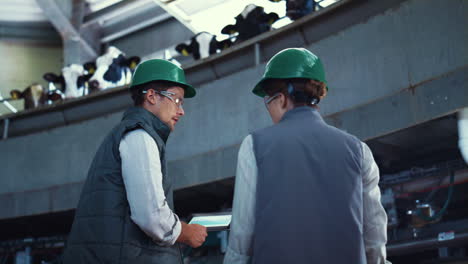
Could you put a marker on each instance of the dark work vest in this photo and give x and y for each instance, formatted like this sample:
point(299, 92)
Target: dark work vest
point(102, 231)
point(309, 193)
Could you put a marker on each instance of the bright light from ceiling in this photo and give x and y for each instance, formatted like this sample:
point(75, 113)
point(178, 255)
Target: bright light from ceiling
point(215, 18)
point(21, 10)
point(213, 15)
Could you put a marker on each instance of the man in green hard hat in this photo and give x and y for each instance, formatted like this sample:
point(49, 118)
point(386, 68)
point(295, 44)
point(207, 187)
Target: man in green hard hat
point(305, 192)
point(125, 213)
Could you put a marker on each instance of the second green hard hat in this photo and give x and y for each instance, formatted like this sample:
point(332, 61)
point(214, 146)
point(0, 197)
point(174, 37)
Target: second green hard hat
point(292, 63)
point(161, 70)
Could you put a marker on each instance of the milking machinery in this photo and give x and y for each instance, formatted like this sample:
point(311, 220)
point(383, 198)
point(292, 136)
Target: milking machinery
point(426, 209)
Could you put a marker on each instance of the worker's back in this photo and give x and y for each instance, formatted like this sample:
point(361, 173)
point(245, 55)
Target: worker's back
point(309, 192)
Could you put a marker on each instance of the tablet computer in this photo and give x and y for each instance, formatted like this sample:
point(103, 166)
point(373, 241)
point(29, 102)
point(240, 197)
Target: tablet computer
point(213, 221)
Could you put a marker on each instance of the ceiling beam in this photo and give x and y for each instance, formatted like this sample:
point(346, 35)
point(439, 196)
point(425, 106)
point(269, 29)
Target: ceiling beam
point(67, 30)
point(170, 7)
point(37, 32)
point(136, 27)
point(110, 11)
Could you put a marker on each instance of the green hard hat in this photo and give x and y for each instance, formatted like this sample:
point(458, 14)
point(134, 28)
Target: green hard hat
point(292, 63)
point(161, 70)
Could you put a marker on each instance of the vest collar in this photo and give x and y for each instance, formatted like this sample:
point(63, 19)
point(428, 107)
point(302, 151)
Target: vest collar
point(142, 115)
point(302, 112)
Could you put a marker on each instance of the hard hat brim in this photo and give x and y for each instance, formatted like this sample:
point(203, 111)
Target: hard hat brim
point(259, 91)
point(189, 91)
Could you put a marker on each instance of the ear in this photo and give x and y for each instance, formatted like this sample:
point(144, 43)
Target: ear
point(183, 49)
point(229, 30)
point(132, 62)
point(284, 100)
point(16, 95)
point(272, 18)
point(150, 96)
point(51, 77)
point(90, 67)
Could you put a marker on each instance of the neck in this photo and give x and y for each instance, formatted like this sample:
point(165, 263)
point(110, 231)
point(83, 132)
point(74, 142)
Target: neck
point(146, 116)
point(147, 107)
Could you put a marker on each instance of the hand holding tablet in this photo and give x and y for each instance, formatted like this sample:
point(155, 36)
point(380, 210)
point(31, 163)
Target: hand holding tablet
point(213, 222)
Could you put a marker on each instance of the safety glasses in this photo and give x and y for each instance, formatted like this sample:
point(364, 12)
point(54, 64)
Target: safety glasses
point(177, 101)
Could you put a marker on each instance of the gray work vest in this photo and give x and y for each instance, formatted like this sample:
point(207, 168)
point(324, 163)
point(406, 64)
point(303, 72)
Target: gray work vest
point(309, 193)
point(102, 231)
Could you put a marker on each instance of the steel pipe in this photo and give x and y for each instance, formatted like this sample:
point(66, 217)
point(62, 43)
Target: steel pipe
point(421, 245)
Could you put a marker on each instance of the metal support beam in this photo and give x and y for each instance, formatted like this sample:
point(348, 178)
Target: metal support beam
point(5, 128)
point(77, 13)
point(38, 32)
point(137, 27)
point(257, 53)
point(70, 35)
point(118, 9)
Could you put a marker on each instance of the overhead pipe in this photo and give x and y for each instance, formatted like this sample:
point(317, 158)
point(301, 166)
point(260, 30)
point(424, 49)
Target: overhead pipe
point(426, 244)
point(463, 133)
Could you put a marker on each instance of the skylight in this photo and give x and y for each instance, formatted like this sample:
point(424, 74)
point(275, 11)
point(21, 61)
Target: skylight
point(215, 18)
point(213, 15)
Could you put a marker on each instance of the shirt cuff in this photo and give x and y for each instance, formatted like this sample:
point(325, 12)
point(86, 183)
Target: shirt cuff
point(176, 231)
point(172, 238)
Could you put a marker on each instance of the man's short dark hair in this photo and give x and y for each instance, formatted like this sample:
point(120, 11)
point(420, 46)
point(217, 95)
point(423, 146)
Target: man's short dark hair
point(137, 91)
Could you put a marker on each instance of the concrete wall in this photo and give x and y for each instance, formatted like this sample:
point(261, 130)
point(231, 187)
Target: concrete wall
point(413, 45)
point(24, 63)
